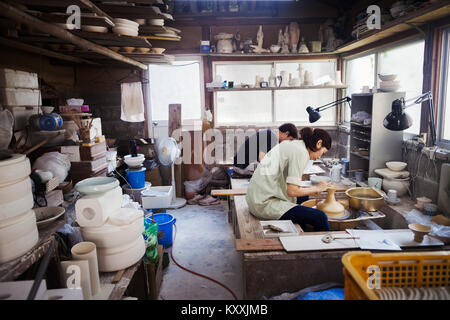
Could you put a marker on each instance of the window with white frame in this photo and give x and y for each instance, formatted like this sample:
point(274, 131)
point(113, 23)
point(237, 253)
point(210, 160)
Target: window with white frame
point(405, 60)
point(271, 107)
point(444, 116)
point(179, 83)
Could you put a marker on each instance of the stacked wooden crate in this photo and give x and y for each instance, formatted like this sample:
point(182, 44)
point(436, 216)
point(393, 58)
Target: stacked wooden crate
point(20, 94)
point(92, 162)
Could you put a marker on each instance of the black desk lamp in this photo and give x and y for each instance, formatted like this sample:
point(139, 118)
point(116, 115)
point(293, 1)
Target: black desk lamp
point(398, 120)
point(314, 114)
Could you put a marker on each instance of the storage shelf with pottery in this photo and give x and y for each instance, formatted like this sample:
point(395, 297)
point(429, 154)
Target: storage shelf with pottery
point(277, 88)
point(384, 145)
point(399, 25)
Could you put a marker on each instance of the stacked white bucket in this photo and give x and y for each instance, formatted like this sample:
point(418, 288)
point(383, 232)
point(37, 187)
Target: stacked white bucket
point(116, 231)
point(18, 229)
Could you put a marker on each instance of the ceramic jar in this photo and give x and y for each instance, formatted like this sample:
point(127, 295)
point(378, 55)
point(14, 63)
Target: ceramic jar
point(224, 43)
point(399, 185)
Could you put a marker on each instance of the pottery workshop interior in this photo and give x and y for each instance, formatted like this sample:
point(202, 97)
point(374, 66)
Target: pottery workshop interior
point(229, 150)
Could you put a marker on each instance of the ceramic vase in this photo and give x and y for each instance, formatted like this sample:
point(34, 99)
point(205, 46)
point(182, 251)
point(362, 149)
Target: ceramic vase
point(330, 206)
point(88, 251)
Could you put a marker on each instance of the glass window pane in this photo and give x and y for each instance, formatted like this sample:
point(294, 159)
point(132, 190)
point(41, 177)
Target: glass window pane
point(407, 63)
point(290, 105)
point(178, 83)
point(243, 73)
point(359, 73)
point(244, 107)
point(446, 103)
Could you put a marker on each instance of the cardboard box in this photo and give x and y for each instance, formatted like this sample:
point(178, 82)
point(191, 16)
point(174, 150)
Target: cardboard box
point(72, 151)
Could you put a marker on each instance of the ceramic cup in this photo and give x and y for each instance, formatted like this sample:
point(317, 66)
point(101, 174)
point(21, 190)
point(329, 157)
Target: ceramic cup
point(88, 251)
point(392, 195)
point(365, 89)
point(359, 176)
point(375, 182)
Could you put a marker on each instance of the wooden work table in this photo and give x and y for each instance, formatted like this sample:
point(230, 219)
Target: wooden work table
point(263, 258)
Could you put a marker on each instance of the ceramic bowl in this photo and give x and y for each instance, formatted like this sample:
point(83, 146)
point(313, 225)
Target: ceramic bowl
point(387, 77)
point(421, 201)
point(127, 22)
point(396, 165)
point(128, 49)
point(318, 179)
point(156, 22)
point(96, 185)
point(47, 109)
point(158, 50)
point(115, 49)
point(125, 31)
point(430, 209)
point(46, 215)
point(143, 50)
point(98, 29)
point(134, 162)
point(140, 21)
point(275, 48)
point(127, 26)
point(419, 231)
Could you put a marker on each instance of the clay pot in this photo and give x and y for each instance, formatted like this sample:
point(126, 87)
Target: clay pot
point(399, 185)
point(330, 206)
point(419, 231)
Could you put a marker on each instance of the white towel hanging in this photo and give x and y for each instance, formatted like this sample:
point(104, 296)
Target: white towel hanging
point(132, 102)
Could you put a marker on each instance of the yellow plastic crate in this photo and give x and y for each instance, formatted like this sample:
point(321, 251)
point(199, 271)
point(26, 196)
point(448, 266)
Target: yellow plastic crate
point(405, 269)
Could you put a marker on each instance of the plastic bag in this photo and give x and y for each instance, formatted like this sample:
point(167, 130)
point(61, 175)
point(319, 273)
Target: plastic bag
point(55, 162)
point(6, 128)
point(151, 239)
point(415, 216)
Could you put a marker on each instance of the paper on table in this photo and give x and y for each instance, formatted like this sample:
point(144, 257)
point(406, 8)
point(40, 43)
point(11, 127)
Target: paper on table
point(373, 240)
point(305, 183)
point(311, 168)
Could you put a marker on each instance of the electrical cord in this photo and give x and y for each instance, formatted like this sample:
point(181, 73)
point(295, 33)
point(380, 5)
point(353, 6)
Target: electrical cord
point(196, 273)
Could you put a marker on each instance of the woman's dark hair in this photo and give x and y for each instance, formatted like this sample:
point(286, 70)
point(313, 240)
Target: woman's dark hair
point(291, 128)
point(310, 136)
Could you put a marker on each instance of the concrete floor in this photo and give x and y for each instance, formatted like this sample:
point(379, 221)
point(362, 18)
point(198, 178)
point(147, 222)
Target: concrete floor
point(204, 243)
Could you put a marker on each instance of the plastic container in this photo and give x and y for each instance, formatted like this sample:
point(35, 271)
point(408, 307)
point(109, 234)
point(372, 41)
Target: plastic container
point(412, 269)
point(136, 178)
point(157, 197)
point(165, 228)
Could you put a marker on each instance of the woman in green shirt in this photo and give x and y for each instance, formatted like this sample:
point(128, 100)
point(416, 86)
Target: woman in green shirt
point(275, 190)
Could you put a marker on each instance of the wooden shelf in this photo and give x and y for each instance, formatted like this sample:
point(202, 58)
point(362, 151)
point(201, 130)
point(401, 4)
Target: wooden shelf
point(359, 155)
point(275, 89)
point(160, 38)
point(293, 55)
point(367, 126)
point(112, 39)
point(401, 24)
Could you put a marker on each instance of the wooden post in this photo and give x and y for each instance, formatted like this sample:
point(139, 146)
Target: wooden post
point(174, 124)
point(58, 32)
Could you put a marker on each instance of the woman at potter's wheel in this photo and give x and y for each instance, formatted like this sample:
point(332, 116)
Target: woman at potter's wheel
point(275, 191)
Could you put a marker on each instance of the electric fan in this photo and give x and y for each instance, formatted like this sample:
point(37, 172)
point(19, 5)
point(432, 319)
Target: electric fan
point(168, 152)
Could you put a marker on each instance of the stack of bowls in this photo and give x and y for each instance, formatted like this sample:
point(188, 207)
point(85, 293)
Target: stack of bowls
point(126, 27)
point(400, 185)
point(18, 229)
point(388, 83)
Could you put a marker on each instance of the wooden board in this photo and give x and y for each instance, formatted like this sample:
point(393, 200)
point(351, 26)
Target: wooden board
point(315, 243)
point(229, 192)
point(405, 238)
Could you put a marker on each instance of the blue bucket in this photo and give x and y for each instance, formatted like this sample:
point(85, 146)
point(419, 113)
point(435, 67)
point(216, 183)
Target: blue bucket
point(136, 178)
point(165, 226)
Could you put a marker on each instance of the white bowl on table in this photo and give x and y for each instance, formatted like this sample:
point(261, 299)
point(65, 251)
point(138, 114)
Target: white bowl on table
point(387, 77)
point(396, 165)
